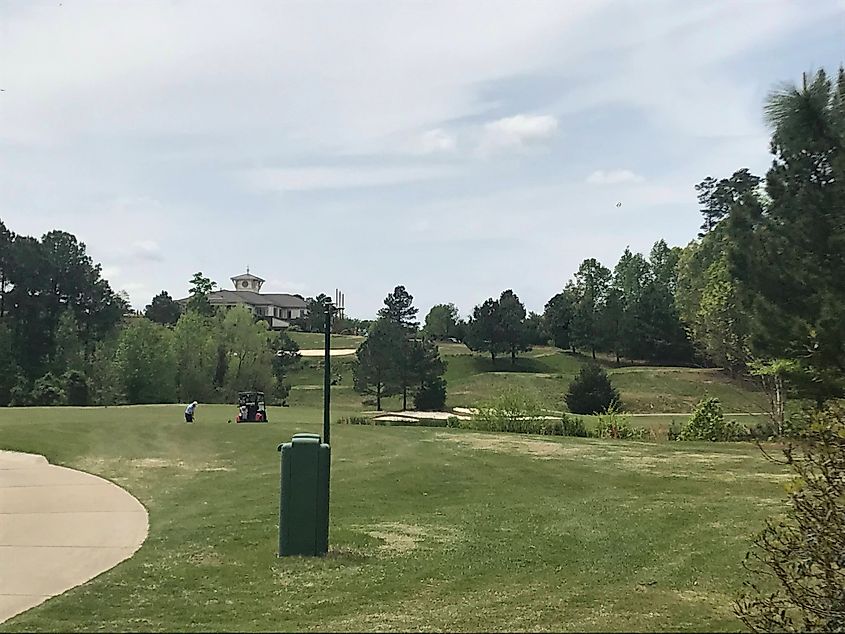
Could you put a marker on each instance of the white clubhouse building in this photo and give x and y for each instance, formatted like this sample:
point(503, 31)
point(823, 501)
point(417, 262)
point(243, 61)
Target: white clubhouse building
point(278, 309)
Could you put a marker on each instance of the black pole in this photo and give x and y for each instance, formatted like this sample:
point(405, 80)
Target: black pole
point(328, 375)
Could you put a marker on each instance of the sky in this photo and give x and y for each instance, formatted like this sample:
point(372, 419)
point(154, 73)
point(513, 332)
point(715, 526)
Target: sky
point(456, 148)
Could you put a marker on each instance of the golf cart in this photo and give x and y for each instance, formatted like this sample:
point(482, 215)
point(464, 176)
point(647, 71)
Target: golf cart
point(251, 408)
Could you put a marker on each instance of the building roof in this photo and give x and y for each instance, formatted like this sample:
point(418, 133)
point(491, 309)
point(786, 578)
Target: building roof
point(281, 300)
point(247, 276)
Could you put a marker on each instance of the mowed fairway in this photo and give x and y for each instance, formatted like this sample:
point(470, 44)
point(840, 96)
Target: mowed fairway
point(431, 529)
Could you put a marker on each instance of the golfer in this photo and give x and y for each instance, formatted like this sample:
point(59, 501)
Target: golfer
point(189, 412)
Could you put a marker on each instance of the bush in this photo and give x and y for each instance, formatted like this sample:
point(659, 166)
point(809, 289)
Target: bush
point(572, 426)
point(708, 423)
point(76, 387)
point(355, 420)
point(21, 393)
point(48, 390)
point(799, 559)
point(591, 392)
point(512, 411)
point(431, 396)
point(613, 425)
point(453, 422)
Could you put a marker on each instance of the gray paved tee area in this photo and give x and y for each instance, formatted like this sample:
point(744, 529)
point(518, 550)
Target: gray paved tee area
point(58, 529)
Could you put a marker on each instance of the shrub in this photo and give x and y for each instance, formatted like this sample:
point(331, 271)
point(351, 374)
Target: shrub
point(613, 425)
point(572, 426)
point(591, 392)
point(453, 422)
point(21, 393)
point(354, 420)
point(674, 431)
point(431, 396)
point(799, 559)
point(511, 411)
point(48, 390)
point(76, 387)
point(708, 423)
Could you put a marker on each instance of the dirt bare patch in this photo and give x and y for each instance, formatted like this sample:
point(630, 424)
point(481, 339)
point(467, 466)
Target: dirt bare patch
point(544, 449)
point(400, 538)
point(118, 466)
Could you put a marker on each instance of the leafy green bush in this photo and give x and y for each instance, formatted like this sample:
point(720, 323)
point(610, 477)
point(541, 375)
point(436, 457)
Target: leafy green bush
point(355, 420)
point(573, 426)
point(49, 390)
point(76, 387)
point(591, 392)
point(453, 422)
point(512, 411)
point(797, 560)
point(431, 396)
point(708, 423)
point(613, 425)
point(21, 393)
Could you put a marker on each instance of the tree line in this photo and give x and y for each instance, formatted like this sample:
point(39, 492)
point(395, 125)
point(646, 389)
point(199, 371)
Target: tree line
point(67, 338)
point(629, 312)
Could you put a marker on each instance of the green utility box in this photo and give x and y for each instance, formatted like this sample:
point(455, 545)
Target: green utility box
point(304, 505)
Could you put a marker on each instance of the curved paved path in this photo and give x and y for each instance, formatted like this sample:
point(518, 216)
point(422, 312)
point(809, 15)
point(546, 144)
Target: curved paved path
point(58, 529)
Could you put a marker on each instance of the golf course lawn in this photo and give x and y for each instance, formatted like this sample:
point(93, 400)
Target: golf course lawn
point(431, 529)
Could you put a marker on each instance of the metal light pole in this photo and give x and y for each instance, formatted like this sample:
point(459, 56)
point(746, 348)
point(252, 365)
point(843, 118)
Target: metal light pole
point(327, 379)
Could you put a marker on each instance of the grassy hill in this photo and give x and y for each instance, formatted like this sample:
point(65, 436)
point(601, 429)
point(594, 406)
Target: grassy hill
point(431, 529)
point(545, 373)
point(316, 340)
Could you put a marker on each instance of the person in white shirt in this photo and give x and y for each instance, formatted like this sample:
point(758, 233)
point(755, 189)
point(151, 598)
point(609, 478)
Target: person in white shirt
point(189, 412)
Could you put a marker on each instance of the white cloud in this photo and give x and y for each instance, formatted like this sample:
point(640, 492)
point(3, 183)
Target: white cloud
point(614, 177)
point(517, 132)
point(121, 123)
point(316, 178)
point(436, 141)
point(146, 250)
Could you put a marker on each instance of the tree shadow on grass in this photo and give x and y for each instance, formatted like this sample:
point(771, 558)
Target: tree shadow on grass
point(528, 365)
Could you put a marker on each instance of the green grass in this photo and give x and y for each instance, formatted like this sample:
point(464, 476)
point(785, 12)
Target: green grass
point(316, 340)
point(545, 373)
point(431, 529)
point(656, 389)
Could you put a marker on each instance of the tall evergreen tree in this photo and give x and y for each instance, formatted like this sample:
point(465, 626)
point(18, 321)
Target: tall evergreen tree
point(558, 314)
point(788, 252)
point(399, 309)
point(592, 282)
point(163, 309)
point(375, 371)
point(511, 317)
point(484, 330)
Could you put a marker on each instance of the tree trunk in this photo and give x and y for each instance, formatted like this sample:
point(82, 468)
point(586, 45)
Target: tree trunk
point(594, 352)
point(378, 397)
point(513, 356)
point(404, 398)
point(617, 357)
point(493, 356)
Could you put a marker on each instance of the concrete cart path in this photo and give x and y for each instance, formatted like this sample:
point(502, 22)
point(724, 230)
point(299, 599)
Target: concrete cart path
point(58, 529)
point(334, 352)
